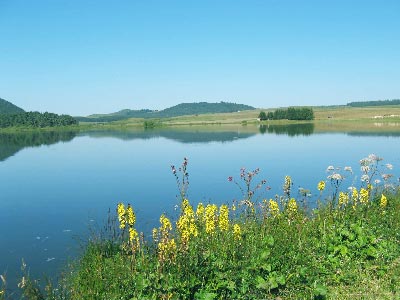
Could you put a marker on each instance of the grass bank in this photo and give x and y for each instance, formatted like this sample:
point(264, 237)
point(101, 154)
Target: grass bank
point(346, 248)
point(339, 117)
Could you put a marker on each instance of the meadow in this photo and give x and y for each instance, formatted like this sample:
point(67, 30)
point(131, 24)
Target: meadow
point(327, 118)
point(348, 247)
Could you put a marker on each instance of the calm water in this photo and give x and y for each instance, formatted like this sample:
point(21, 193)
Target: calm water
point(56, 187)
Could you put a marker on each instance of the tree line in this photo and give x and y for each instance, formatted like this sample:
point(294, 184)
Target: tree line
point(374, 103)
point(36, 120)
point(291, 113)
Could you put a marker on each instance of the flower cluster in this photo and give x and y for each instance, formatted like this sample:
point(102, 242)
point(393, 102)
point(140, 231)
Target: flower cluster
point(166, 245)
point(273, 208)
point(292, 207)
point(186, 223)
point(343, 199)
point(127, 217)
point(223, 218)
point(321, 185)
point(210, 218)
point(237, 232)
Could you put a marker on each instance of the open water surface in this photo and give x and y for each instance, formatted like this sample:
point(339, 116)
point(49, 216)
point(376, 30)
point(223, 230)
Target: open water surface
point(57, 187)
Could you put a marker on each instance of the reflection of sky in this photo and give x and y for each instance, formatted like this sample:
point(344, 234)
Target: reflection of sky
point(51, 194)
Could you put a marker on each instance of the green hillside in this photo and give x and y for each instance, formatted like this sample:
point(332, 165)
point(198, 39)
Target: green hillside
point(182, 109)
point(9, 108)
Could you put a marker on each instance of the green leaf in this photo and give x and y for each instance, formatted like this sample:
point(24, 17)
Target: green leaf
point(320, 290)
point(281, 280)
point(273, 283)
point(265, 254)
point(266, 267)
point(203, 295)
point(270, 240)
point(261, 283)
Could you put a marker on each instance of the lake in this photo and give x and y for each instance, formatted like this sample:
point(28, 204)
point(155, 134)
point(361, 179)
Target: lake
point(57, 187)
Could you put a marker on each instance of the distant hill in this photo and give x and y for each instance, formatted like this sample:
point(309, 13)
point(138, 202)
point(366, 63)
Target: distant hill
point(182, 109)
point(9, 108)
point(374, 103)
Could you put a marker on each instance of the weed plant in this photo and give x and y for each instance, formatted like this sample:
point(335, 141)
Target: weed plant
point(346, 248)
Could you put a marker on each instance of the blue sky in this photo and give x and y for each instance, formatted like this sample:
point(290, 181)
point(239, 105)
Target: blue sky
point(81, 57)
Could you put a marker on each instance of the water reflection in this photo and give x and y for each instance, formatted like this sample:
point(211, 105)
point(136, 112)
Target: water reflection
point(288, 129)
point(11, 143)
point(182, 136)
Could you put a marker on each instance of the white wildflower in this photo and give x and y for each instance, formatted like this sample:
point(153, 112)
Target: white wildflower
point(349, 169)
point(365, 178)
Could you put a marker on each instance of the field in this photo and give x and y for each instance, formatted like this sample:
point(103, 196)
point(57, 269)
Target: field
point(327, 119)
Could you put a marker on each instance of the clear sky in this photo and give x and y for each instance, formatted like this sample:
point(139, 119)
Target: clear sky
point(92, 56)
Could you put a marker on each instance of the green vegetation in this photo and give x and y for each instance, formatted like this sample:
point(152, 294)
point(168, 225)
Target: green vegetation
point(35, 120)
point(347, 247)
point(182, 109)
point(374, 103)
point(9, 108)
point(262, 116)
point(291, 113)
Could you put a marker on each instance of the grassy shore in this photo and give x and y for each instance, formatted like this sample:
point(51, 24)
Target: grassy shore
point(346, 248)
point(341, 117)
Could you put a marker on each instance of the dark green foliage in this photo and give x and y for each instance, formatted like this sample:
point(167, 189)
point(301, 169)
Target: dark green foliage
point(374, 103)
point(292, 113)
point(182, 109)
point(9, 108)
point(35, 120)
point(203, 108)
point(262, 116)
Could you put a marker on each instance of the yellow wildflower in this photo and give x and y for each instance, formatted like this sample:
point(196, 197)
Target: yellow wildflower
point(166, 249)
point(237, 232)
point(131, 215)
point(383, 202)
point(210, 217)
point(121, 215)
point(187, 208)
point(183, 225)
point(223, 219)
point(273, 207)
point(292, 206)
point(165, 223)
point(343, 199)
point(132, 234)
point(364, 196)
point(200, 210)
point(186, 223)
point(321, 185)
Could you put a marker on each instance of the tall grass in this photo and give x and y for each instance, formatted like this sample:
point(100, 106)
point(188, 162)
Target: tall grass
point(346, 248)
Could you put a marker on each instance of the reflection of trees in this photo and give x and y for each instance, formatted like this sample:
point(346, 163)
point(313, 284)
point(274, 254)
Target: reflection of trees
point(288, 129)
point(11, 143)
point(182, 136)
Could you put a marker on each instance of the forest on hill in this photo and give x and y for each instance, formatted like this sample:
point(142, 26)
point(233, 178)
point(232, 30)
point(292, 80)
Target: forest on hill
point(14, 116)
point(7, 107)
point(182, 109)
